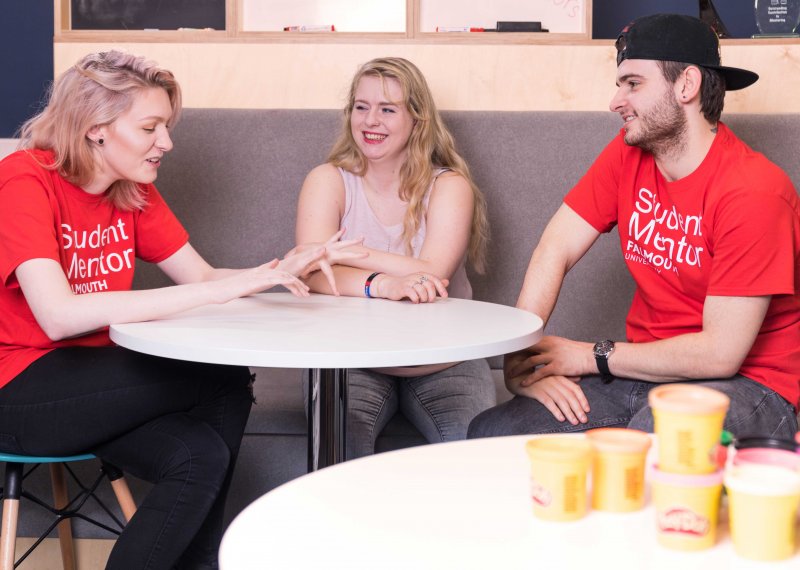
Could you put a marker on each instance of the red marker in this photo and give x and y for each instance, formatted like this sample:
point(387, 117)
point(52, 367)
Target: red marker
point(309, 29)
point(458, 29)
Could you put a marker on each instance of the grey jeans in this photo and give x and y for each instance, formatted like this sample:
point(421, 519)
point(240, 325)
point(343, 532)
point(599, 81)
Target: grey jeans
point(755, 410)
point(439, 405)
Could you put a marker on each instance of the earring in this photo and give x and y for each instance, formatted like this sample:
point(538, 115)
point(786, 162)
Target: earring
point(100, 142)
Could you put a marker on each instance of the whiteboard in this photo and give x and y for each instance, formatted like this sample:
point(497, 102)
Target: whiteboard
point(345, 15)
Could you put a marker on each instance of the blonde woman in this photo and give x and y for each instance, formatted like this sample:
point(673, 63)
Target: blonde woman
point(77, 207)
point(394, 178)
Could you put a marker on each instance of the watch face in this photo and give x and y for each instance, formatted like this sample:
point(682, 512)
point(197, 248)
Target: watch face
point(603, 348)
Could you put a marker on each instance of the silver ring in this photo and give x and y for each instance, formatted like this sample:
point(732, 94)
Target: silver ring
point(422, 279)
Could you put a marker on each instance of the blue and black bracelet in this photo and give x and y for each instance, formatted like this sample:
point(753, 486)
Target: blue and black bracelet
point(368, 282)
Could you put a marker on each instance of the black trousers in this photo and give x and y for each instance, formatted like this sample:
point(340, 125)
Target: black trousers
point(176, 424)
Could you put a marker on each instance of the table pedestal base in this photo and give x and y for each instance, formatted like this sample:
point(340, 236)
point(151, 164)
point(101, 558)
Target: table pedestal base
point(327, 414)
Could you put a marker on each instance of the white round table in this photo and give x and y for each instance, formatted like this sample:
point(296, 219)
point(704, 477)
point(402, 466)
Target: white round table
point(328, 335)
point(461, 505)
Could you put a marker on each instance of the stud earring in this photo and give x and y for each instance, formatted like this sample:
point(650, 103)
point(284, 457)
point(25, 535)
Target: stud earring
point(100, 142)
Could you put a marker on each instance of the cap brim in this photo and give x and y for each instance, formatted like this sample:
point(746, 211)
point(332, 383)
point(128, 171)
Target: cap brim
point(736, 78)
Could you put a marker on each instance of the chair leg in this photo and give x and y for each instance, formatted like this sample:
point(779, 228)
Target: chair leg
point(60, 501)
point(10, 515)
point(11, 493)
point(121, 490)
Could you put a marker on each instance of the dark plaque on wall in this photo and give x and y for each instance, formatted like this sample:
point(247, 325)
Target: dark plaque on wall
point(147, 14)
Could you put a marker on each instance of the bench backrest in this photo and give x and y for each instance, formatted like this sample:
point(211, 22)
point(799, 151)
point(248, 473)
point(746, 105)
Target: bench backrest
point(234, 176)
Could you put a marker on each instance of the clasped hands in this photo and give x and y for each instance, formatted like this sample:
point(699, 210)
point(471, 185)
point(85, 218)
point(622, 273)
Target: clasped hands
point(550, 372)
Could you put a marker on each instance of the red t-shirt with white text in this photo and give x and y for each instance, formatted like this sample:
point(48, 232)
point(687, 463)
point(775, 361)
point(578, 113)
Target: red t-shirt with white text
point(44, 216)
point(730, 228)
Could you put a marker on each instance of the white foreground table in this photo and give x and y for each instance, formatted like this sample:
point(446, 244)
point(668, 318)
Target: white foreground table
point(461, 505)
point(328, 335)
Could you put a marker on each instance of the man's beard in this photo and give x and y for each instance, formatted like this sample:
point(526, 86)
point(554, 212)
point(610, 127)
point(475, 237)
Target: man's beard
point(662, 129)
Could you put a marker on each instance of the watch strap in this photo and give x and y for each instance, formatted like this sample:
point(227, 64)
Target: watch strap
point(602, 350)
point(602, 365)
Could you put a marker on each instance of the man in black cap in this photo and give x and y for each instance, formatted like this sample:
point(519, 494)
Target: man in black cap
point(710, 231)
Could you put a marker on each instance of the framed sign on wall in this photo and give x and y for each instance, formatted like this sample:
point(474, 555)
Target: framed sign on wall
point(147, 14)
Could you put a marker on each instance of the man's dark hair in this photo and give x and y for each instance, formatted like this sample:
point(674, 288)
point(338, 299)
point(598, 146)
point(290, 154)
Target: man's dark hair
point(712, 87)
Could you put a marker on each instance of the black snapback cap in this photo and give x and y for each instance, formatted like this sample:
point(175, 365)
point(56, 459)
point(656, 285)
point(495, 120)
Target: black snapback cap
point(675, 37)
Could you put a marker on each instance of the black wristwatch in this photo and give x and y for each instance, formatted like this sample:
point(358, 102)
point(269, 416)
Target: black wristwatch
point(602, 350)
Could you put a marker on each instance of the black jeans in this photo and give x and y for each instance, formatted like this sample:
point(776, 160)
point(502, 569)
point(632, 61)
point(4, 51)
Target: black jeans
point(176, 424)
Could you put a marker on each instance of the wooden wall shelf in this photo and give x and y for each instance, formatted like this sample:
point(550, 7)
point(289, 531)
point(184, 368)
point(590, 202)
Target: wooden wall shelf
point(235, 32)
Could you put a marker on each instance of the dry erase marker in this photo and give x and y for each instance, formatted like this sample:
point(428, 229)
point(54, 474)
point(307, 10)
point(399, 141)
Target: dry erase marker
point(195, 29)
point(309, 29)
point(458, 29)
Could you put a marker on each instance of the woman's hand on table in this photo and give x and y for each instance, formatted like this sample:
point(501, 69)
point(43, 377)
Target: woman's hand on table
point(416, 287)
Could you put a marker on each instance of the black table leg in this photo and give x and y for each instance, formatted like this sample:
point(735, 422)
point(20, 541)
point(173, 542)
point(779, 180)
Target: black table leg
point(327, 414)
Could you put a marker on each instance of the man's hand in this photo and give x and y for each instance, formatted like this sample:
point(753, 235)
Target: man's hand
point(516, 368)
point(556, 356)
point(558, 392)
point(562, 396)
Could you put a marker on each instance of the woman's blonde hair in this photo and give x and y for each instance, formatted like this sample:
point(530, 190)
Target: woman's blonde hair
point(430, 146)
point(95, 91)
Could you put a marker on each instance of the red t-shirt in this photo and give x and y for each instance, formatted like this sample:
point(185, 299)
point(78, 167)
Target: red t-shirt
point(44, 216)
point(730, 228)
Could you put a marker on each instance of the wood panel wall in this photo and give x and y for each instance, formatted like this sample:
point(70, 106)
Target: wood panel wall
point(462, 76)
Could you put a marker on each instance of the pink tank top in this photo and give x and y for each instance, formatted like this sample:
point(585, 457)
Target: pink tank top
point(360, 220)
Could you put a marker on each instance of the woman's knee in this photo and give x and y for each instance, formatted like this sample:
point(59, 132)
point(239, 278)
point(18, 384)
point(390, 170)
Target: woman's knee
point(190, 450)
point(372, 401)
point(469, 385)
point(474, 381)
point(370, 396)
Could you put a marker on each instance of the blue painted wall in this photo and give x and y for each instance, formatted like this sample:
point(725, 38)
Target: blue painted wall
point(26, 60)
